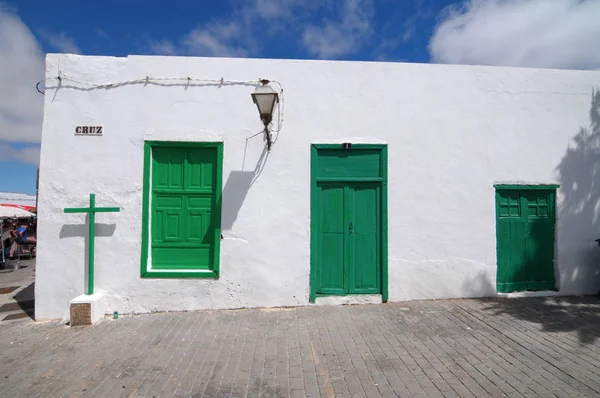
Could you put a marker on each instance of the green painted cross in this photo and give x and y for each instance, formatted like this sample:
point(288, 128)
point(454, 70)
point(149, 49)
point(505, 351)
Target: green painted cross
point(92, 210)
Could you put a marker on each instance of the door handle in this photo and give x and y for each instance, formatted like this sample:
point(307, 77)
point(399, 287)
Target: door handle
point(351, 228)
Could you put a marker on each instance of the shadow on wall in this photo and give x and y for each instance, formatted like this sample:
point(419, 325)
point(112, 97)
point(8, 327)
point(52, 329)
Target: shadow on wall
point(479, 285)
point(236, 189)
point(579, 213)
point(82, 231)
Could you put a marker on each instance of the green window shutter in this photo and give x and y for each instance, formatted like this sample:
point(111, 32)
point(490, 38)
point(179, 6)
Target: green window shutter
point(185, 209)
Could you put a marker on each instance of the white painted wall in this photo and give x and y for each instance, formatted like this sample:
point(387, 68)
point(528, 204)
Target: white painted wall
point(452, 131)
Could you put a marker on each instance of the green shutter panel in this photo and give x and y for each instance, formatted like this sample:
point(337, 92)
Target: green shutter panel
point(183, 196)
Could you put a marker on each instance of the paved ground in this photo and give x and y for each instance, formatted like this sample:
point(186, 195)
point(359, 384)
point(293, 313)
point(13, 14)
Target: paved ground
point(17, 291)
point(467, 348)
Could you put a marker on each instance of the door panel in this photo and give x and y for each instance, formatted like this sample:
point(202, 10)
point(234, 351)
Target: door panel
point(173, 226)
point(332, 242)
point(540, 241)
point(364, 259)
point(355, 164)
point(511, 260)
point(201, 164)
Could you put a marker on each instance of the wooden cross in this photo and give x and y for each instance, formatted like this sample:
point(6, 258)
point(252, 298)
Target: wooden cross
point(92, 210)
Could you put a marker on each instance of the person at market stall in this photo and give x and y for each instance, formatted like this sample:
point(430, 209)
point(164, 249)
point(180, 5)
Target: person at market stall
point(8, 241)
point(10, 234)
point(22, 234)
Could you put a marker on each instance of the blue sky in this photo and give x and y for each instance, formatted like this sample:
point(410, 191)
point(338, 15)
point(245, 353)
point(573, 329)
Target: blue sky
point(397, 30)
point(525, 33)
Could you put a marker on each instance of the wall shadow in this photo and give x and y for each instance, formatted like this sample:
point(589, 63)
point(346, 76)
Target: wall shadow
point(578, 227)
point(236, 189)
point(579, 211)
point(479, 286)
point(82, 231)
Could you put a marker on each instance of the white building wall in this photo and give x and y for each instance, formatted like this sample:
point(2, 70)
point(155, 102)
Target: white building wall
point(452, 131)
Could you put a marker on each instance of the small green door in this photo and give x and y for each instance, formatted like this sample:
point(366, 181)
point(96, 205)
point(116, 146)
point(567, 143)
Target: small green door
point(525, 239)
point(183, 198)
point(347, 223)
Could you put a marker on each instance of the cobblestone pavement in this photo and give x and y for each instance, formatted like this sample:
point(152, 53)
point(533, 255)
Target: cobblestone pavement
point(17, 291)
point(468, 348)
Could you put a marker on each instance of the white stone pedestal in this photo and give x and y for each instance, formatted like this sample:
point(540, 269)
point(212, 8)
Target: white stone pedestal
point(88, 309)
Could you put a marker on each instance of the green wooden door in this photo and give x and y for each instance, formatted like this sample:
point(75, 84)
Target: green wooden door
point(349, 230)
point(348, 220)
point(349, 259)
point(525, 239)
point(183, 198)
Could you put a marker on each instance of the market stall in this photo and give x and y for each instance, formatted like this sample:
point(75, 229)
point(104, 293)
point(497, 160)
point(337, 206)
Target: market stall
point(17, 229)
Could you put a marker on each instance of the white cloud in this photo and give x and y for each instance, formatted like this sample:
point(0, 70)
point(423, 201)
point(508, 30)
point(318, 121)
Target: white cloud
point(217, 40)
point(240, 33)
point(101, 33)
point(270, 9)
point(409, 31)
point(29, 154)
point(335, 38)
point(61, 41)
point(528, 33)
point(22, 67)
point(162, 47)
point(232, 36)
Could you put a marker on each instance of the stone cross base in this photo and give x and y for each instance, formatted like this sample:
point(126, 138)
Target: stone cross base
point(88, 309)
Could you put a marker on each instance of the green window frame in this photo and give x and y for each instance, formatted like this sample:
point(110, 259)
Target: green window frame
point(145, 272)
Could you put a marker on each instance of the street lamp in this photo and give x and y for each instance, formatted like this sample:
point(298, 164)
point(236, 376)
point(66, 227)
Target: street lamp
point(265, 98)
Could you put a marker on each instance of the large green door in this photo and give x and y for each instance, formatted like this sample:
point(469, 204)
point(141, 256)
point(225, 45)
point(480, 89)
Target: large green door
point(183, 198)
point(525, 239)
point(348, 231)
point(350, 238)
